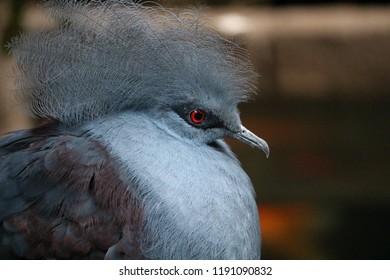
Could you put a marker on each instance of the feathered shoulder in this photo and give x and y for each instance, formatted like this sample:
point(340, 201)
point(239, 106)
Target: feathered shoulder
point(105, 57)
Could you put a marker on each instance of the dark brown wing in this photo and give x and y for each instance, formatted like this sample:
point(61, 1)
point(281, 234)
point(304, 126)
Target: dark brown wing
point(62, 197)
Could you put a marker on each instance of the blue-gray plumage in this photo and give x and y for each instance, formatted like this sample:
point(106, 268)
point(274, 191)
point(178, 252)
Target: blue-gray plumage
point(131, 163)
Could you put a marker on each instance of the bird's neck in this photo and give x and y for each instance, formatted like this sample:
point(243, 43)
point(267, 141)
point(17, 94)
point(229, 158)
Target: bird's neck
point(194, 195)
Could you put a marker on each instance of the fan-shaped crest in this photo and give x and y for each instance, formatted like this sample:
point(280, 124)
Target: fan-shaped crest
point(102, 58)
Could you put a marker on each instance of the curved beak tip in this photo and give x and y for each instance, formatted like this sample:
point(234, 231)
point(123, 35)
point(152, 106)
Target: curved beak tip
point(266, 150)
point(252, 140)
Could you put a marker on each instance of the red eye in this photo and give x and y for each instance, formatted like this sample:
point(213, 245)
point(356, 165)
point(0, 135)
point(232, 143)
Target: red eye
point(197, 116)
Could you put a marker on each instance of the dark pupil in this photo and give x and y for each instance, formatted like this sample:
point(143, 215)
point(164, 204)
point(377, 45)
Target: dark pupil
point(198, 116)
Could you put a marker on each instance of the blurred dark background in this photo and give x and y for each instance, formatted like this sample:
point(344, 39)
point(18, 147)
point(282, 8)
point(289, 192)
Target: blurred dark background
point(323, 107)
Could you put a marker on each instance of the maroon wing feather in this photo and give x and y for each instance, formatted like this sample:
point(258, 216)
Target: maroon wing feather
point(62, 197)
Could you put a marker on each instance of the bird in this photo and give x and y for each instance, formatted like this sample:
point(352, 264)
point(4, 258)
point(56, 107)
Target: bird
point(130, 160)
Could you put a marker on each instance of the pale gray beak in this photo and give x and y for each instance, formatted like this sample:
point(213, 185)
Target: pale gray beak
point(252, 140)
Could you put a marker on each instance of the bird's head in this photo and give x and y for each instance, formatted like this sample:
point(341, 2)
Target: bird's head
point(206, 121)
point(103, 58)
